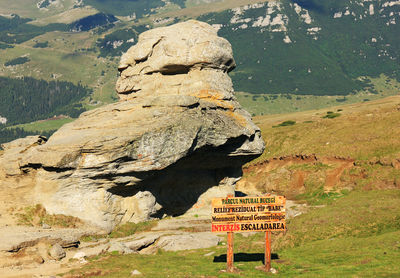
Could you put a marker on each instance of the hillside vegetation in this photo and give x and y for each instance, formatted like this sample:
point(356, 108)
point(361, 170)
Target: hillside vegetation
point(363, 131)
point(323, 152)
point(44, 99)
point(309, 47)
point(28, 99)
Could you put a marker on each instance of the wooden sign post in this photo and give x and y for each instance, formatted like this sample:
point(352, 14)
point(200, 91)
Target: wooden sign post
point(229, 251)
point(248, 214)
point(267, 257)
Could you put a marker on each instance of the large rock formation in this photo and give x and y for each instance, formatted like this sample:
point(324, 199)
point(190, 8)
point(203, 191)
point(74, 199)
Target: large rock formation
point(176, 138)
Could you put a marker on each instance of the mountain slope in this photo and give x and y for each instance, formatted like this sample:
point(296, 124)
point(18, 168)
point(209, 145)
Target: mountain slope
point(316, 154)
point(308, 48)
point(288, 46)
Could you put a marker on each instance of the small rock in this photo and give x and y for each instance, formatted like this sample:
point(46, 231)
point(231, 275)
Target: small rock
point(209, 254)
point(120, 247)
point(95, 251)
point(273, 271)
point(57, 252)
point(188, 241)
point(136, 272)
point(142, 242)
point(45, 226)
point(79, 255)
point(38, 259)
point(70, 241)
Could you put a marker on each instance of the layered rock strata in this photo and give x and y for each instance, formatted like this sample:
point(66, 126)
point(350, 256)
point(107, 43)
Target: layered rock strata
point(176, 138)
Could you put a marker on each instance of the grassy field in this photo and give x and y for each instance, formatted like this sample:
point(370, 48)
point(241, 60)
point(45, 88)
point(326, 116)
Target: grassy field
point(28, 8)
point(196, 9)
point(47, 125)
point(362, 131)
point(264, 104)
point(69, 60)
point(66, 17)
point(354, 236)
point(319, 153)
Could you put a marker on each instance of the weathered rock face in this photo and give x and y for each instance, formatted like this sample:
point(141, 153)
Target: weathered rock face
point(188, 59)
point(177, 137)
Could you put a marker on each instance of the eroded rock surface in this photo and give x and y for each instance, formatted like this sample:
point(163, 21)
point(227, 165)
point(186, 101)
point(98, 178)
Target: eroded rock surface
point(177, 137)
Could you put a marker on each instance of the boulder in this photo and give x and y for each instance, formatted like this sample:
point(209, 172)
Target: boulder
point(188, 241)
point(16, 238)
point(135, 272)
point(119, 247)
point(142, 241)
point(57, 252)
point(187, 57)
point(14, 152)
point(176, 138)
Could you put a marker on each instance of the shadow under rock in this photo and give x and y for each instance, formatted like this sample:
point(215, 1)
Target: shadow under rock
point(178, 187)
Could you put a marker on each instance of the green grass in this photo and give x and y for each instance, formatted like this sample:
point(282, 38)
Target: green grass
point(265, 104)
point(351, 257)
point(331, 115)
point(70, 60)
point(316, 195)
point(357, 235)
point(128, 229)
point(375, 256)
point(29, 9)
point(124, 230)
point(48, 125)
point(363, 132)
point(37, 215)
point(125, 8)
point(17, 61)
point(358, 214)
point(286, 123)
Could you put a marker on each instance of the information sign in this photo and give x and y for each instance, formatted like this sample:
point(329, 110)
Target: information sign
point(248, 214)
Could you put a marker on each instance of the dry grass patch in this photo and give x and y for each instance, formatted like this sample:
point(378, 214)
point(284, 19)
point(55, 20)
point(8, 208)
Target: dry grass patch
point(37, 216)
point(364, 131)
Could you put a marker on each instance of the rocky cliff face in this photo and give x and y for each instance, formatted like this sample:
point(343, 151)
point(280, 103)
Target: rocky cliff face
point(175, 139)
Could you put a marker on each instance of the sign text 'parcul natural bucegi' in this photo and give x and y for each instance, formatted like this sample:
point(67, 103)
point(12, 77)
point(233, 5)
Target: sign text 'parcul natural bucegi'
point(248, 214)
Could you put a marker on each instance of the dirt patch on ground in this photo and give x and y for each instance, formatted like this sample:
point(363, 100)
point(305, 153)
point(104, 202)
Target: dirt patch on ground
point(290, 175)
point(333, 176)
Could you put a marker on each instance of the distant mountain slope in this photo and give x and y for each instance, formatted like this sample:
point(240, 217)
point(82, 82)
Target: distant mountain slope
point(136, 8)
point(15, 30)
point(29, 99)
point(92, 21)
point(311, 47)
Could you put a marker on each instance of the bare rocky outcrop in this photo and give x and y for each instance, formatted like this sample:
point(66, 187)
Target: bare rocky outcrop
point(175, 139)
